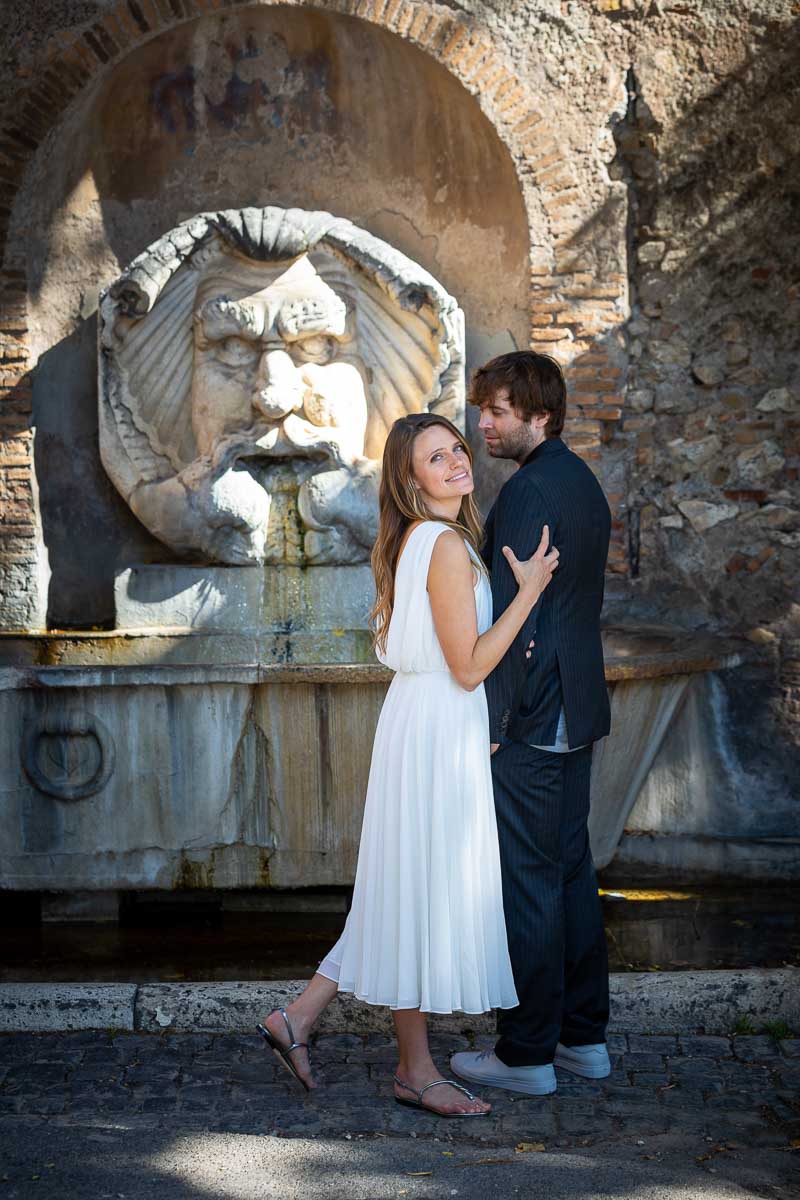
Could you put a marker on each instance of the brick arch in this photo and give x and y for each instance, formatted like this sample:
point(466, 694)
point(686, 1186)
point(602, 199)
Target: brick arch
point(465, 49)
point(567, 311)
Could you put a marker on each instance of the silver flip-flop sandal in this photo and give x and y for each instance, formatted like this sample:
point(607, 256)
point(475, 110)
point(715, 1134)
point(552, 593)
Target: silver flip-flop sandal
point(426, 1107)
point(282, 1052)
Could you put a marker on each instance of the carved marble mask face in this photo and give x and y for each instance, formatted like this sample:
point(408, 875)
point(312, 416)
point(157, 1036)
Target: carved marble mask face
point(261, 356)
point(252, 362)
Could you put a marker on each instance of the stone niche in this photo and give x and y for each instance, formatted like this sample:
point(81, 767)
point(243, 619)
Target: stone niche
point(251, 364)
point(271, 106)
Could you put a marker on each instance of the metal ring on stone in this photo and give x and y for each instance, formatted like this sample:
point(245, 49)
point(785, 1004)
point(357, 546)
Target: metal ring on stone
point(67, 725)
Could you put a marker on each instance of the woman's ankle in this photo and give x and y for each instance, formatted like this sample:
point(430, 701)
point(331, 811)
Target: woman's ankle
point(415, 1068)
point(301, 1015)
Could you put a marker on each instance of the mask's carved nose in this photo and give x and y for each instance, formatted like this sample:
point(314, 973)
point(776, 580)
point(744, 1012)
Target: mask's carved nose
point(280, 388)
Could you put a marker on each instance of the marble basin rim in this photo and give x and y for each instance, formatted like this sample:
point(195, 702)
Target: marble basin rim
point(57, 658)
point(154, 759)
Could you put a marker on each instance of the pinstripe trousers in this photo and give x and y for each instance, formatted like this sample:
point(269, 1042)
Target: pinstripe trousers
point(553, 914)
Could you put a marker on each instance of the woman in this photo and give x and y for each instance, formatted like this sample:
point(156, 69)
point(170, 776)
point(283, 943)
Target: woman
point(426, 932)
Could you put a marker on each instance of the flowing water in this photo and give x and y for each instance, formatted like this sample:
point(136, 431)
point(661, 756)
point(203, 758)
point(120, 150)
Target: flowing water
point(158, 940)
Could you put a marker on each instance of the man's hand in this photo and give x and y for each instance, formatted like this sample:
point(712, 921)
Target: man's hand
point(494, 746)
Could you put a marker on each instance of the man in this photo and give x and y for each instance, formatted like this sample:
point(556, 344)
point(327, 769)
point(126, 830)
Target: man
point(546, 708)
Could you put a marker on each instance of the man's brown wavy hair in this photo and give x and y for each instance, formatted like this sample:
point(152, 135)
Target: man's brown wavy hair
point(535, 386)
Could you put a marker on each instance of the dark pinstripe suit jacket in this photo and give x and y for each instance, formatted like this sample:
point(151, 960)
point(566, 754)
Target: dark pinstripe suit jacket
point(554, 487)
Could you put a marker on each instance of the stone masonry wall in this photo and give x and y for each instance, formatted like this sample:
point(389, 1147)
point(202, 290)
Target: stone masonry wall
point(713, 398)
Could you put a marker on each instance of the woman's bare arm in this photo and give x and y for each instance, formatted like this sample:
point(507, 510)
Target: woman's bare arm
point(471, 656)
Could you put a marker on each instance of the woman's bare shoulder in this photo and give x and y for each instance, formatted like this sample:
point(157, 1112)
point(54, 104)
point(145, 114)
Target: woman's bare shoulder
point(450, 552)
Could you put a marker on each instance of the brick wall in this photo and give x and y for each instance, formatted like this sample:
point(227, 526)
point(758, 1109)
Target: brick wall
point(20, 551)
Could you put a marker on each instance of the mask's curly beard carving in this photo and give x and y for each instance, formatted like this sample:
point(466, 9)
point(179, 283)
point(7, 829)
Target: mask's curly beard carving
point(251, 365)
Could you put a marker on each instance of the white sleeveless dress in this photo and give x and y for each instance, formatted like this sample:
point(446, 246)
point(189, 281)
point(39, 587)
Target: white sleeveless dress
point(426, 927)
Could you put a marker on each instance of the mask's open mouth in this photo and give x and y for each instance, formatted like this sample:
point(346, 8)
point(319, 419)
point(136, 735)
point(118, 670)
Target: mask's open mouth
point(285, 463)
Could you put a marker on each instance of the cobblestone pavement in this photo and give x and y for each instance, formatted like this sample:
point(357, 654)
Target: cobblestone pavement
point(678, 1112)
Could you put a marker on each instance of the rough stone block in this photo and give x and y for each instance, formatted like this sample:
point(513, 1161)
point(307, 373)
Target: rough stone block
point(753, 1048)
point(249, 599)
point(714, 1047)
point(40, 1007)
point(653, 1044)
point(779, 400)
point(704, 515)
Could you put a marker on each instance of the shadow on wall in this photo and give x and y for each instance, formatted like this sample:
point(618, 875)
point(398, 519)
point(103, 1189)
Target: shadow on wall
point(714, 389)
point(83, 516)
point(712, 420)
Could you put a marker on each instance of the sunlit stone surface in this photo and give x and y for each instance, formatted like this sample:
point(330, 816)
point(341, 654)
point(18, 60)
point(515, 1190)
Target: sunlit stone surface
point(252, 362)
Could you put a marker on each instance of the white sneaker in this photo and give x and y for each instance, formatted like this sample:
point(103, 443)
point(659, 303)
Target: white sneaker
point(485, 1068)
point(590, 1061)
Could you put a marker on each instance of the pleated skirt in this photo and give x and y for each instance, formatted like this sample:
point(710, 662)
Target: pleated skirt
point(426, 928)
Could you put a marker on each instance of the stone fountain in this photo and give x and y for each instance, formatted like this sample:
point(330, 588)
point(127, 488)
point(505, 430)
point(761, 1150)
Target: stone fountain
point(251, 363)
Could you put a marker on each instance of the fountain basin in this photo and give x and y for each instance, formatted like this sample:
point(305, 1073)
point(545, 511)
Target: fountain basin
point(124, 770)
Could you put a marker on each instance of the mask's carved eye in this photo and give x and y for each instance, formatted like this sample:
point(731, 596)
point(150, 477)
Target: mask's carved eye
point(319, 349)
point(237, 352)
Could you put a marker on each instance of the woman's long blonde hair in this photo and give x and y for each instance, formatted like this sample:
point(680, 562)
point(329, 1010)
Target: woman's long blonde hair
point(401, 505)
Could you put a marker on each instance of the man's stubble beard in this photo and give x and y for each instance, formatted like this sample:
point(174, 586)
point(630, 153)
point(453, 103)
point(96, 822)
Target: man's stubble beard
point(515, 448)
